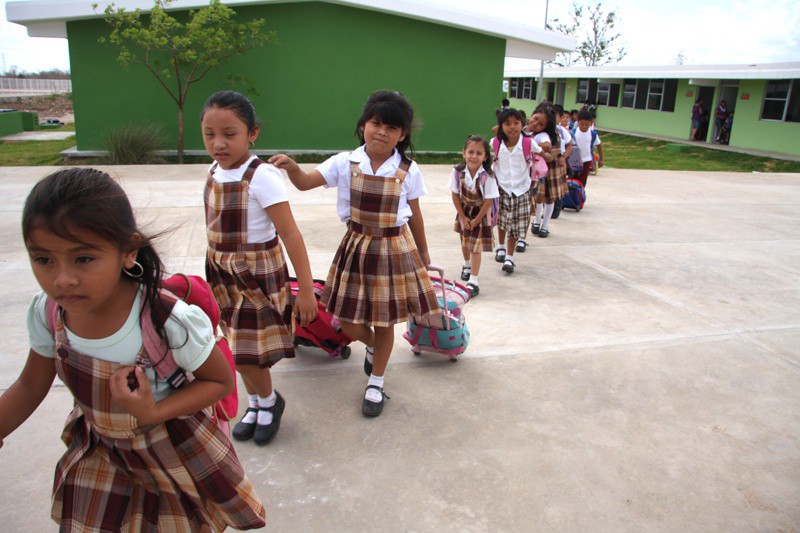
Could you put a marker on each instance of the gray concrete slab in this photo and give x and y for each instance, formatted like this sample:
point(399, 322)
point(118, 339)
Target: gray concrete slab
point(38, 136)
point(639, 371)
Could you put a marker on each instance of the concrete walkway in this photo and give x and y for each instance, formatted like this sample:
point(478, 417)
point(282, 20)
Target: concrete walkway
point(38, 136)
point(640, 370)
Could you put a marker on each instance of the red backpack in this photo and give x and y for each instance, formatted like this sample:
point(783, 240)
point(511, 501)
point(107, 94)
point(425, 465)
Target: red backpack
point(194, 291)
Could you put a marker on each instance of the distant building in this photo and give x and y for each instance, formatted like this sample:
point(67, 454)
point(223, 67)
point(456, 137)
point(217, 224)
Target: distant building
point(313, 82)
point(658, 100)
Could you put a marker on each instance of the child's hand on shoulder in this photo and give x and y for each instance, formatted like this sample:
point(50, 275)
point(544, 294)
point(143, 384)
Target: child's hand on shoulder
point(283, 161)
point(305, 307)
point(131, 389)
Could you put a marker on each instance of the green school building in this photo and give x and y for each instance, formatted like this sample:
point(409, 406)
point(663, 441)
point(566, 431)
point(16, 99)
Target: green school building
point(313, 81)
point(658, 100)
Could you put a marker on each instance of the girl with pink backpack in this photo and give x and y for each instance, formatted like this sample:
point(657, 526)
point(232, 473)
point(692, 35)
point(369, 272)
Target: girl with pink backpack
point(475, 197)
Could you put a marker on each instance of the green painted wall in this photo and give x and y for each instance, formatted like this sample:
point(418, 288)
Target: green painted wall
point(10, 123)
point(748, 130)
point(313, 81)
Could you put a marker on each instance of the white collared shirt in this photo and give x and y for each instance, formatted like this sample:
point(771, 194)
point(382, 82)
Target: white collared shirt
point(512, 169)
point(336, 171)
point(489, 190)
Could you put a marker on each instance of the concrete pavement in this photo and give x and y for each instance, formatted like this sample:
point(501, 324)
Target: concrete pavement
point(639, 371)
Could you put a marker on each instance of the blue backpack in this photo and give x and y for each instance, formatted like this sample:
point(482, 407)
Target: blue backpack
point(594, 138)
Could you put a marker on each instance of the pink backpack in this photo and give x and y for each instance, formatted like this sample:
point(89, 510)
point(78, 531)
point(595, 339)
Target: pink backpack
point(537, 166)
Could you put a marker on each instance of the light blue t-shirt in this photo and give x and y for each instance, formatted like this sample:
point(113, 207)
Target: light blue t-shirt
point(188, 329)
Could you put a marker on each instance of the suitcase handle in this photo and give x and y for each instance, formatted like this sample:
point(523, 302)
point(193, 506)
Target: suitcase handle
point(446, 310)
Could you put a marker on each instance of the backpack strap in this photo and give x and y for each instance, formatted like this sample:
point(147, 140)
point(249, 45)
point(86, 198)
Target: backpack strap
point(51, 314)
point(594, 138)
point(496, 146)
point(166, 367)
point(526, 149)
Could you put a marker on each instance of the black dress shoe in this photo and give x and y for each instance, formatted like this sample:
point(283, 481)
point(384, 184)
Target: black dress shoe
point(373, 409)
point(243, 430)
point(263, 434)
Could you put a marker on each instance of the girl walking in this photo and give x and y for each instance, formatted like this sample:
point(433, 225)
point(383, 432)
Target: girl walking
point(247, 209)
point(554, 187)
point(378, 277)
point(140, 455)
point(474, 189)
point(513, 159)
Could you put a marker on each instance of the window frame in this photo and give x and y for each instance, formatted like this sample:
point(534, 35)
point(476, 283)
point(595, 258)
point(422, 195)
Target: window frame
point(651, 93)
point(585, 90)
point(606, 91)
point(784, 100)
point(625, 92)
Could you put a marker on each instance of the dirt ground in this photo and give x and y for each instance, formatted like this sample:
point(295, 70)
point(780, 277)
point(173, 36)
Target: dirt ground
point(50, 106)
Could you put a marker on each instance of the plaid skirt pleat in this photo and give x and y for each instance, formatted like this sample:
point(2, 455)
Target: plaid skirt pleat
point(378, 281)
point(478, 239)
point(554, 186)
point(515, 213)
point(253, 293)
point(177, 476)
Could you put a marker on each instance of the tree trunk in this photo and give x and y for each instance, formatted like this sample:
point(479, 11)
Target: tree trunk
point(180, 133)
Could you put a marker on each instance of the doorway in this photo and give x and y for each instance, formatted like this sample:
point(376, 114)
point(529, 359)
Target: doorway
point(706, 92)
point(728, 91)
point(561, 90)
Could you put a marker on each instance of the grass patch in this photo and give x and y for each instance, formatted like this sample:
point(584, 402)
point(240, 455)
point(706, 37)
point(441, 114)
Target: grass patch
point(33, 153)
point(627, 151)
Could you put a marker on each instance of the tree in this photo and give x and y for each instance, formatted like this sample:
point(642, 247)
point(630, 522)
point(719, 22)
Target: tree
point(180, 54)
point(594, 30)
point(680, 57)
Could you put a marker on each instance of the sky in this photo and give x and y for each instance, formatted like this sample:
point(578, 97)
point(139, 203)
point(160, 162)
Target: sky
point(710, 32)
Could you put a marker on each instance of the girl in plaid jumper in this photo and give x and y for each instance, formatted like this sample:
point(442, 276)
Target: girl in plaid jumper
point(378, 277)
point(101, 278)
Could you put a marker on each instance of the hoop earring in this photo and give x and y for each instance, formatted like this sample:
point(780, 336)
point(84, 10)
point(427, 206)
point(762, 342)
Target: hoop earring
point(132, 274)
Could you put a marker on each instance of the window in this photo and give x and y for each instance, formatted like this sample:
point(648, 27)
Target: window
point(654, 95)
point(670, 92)
point(603, 93)
point(782, 101)
point(583, 91)
point(628, 93)
point(613, 98)
point(522, 88)
point(551, 92)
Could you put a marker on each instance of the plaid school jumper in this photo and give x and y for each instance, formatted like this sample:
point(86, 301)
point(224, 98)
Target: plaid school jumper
point(250, 280)
point(118, 475)
point(554, 187)
point(377, 276)
point(480, 238)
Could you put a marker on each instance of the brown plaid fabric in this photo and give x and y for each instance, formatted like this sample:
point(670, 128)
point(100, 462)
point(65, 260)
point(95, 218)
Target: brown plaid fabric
point(117, 475)
point(554, 186)
point(377, 276)
point(250, 281)
point(480, 238)
point(515, 211)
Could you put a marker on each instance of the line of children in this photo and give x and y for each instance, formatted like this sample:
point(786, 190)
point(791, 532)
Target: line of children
point(586, 140)
point(474, 191)
point(379, 276)
point(140, 456)
point(554, 186)
point(247, 210)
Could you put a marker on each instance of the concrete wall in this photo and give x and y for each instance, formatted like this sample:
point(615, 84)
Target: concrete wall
point(17, 121)
point(312, 82)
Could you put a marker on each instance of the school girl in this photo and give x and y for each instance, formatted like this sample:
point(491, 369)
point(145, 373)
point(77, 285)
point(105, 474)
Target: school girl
point(474, 189)
point(140, 456)
point(247, 209)
point(378, 277)
point(513, 170)
point(554, 186)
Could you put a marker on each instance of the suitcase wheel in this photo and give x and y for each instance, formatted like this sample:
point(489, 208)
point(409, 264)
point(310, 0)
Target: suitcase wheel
point(417, 353)
point(345, 353)
point(577, 209)
point(453, 358)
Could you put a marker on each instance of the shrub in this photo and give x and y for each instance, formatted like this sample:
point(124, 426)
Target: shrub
point(135, 144)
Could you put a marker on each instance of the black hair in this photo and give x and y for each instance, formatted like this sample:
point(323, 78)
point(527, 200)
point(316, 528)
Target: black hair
point(572, 111)
point(550, 128)
point(584, 115)
point(392, 108)
point(504, 115)
point(487, 163)
point(559, 110)
point(89, 200)
point(236, 102)
point(505, 102)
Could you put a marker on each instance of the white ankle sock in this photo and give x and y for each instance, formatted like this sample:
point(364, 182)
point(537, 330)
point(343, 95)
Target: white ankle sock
point(252, 402)
point(370, 352)
point(510, 256)
point(372, 395)
point(467, 264)
point(539, 209)
point(265, 417)
point(473, 280)
point(548, 212)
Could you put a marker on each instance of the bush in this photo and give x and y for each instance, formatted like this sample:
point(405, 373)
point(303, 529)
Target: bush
point(135, 144)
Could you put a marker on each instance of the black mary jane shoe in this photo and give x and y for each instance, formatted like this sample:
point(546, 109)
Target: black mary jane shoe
point(367, 366)
point(465, 273)
point(243, 430)
point(373, 409)
point(263, 434)
point(543, 233)
point(473, 289)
